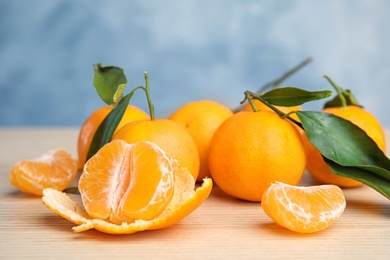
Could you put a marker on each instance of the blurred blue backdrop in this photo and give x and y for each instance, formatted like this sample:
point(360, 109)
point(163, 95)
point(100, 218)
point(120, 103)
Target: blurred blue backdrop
point(194, 49)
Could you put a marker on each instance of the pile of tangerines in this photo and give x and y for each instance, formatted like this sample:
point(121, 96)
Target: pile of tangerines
point(145, 177)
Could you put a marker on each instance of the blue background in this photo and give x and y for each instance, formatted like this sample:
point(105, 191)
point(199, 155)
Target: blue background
point(194, 49)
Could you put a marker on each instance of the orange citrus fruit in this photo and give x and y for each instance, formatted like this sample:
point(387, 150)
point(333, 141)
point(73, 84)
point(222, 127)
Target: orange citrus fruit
point(54, 169)
point(251, 150)
point(124, 182)
point(201, 119)
point(167, 134)
point(316, 165)
point(89, 127)
point(303, 209)
point(126, 188)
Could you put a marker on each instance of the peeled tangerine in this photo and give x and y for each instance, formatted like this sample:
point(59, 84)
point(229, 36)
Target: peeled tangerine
point(126, 188)
point(303, 209)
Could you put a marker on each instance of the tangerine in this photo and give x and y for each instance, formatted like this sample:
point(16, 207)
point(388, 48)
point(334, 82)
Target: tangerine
point(126, 188)
point(124, 182)
point(251, 150)
point(201, 119)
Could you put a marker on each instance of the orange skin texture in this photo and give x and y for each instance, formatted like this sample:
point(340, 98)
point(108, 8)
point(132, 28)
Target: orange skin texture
point(251, 150)
point(89, 127)
point(317, 167)
point(169, 136)
point(201, 119)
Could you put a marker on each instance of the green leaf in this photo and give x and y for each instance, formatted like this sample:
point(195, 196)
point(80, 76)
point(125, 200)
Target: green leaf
point(109, 82)
point(290, 96)
point(378, 183)
point(106, 129)
point(347, 149)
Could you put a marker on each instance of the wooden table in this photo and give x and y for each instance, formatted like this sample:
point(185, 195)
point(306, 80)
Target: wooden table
point(222, 227)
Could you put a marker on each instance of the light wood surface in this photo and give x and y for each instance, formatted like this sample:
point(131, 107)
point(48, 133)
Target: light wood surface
point(222, 227)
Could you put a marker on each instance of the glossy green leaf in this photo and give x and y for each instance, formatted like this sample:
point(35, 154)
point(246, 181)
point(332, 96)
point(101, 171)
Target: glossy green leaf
point(107, 128)
point(290, 96)
point(347, 149)
point(382, 185)
point(109, 82)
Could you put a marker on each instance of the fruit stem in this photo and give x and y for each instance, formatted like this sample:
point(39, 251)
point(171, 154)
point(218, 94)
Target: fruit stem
point(275, 83)
point(338, 89)
point(250, 95)
point(250, 100)
point(147, 92)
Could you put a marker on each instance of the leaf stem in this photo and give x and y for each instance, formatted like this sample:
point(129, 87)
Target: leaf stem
point(147, 92)
point(338, 89)
point(250, 95)
point(275, 83)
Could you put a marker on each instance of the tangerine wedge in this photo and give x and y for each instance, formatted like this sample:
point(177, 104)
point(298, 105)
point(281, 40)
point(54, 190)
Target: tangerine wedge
point(124, 182)
point(126, 188)
point(54, 169)
point(303, 209)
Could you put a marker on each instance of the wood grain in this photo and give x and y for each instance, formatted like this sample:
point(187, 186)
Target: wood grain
point(222, 227)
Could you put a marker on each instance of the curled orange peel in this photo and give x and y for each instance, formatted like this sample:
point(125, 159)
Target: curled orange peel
point(185, 200)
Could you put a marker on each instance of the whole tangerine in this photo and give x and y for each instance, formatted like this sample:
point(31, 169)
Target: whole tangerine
point(251, 150)
point(201, 119)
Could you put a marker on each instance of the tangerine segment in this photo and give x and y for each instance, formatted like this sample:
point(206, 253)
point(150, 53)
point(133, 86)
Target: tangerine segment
point(124, 182)
point(185, 201)
point(303, 209)
point(54, 169)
